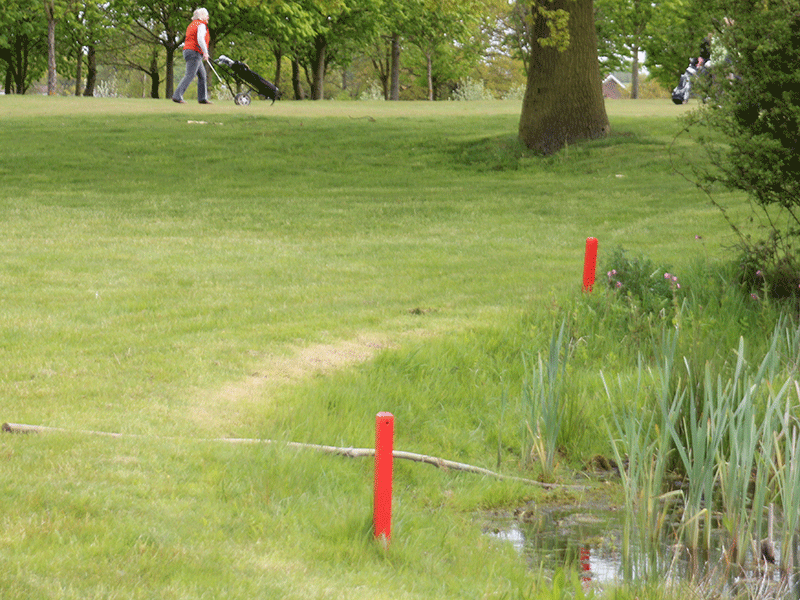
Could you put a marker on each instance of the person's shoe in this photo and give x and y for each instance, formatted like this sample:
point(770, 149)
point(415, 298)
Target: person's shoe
point(179, 100)
point(206, 102)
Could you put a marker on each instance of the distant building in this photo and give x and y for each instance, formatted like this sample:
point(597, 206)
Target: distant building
point(613, 88)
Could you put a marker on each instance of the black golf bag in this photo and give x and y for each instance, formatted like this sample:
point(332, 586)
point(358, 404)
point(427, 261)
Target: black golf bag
point(682, 91)
point(241, 74)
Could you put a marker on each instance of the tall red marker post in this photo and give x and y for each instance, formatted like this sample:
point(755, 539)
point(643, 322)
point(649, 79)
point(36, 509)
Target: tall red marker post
point(384, 458)
point(589, 264)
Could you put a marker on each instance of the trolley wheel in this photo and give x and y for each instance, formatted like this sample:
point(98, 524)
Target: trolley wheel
point(242, 99)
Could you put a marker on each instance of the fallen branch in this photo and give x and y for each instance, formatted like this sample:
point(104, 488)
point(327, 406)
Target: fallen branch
point(441, 463)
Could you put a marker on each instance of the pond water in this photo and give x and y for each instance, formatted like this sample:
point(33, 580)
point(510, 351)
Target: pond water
point(589, 540)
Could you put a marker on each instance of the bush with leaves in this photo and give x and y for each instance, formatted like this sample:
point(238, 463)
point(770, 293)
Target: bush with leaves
point(749, 126)
point(470, 90)
point(638, 279)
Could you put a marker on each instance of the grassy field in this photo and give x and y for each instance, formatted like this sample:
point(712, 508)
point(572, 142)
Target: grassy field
point(181, 273)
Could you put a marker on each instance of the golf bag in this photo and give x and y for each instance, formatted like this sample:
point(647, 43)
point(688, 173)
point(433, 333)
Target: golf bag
point(682, 91)
point(241, 74)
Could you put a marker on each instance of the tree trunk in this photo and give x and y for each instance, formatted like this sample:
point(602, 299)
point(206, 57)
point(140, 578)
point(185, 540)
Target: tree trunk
point(317, 87)
point(91, 71)
point(635, 74)
point(18, 64)
point(297, 84)
point(170, 68)
point(79, 71)
point(51, 48)
point(394, 92)
point(278, 54)
point(155, 79)
point(429, 57)
point(564, 98)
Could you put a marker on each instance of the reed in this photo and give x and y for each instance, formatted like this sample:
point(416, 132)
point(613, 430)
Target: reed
point(737, 442)
point(641, 448)
point(697, 443)
point(786, 468)
point(542, 395)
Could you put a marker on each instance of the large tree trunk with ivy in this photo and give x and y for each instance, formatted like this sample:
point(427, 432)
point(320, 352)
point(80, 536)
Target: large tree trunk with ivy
point(563, 100)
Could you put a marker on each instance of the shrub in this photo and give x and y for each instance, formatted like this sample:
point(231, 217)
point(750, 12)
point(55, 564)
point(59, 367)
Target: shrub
point(748, 125)
point(638, 279)
point(470, 90)
point(373, 92)
point(765, 272)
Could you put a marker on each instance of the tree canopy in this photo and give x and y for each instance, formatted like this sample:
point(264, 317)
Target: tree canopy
point(430, 45)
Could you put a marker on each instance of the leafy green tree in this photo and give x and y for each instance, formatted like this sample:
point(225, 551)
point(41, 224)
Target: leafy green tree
point(280, 28)
point(84, 25)
point(516, 24)
point(388, 45)
point(749, 125)
point(444, 32)
point(155, 23)
point(563, 98)
point(623, 24)
point(674, 34)
point(23, 43)
point(341, 29)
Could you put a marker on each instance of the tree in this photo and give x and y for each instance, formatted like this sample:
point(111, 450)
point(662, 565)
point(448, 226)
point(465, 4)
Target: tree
point(50, 13)
point(674, 33)
point(385, 57)
point(84, 26)
point(280, 28)
point(341, 29)
point(443, 30)
point(23, 43)
point(563, 99)
point(156, 22)
point(623, 25)
point(749, 126)
point(517, 23)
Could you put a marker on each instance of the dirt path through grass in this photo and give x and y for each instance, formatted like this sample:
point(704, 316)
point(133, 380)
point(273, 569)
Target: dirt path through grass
point(234, 406)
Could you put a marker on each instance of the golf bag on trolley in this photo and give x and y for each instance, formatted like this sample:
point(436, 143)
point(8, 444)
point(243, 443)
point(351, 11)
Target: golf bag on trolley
point(242, 75)
point(682, 91)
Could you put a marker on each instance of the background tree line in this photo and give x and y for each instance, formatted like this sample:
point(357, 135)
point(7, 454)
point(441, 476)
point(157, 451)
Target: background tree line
point(395, 49)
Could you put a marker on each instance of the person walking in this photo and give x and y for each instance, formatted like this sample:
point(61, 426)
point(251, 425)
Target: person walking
point(195, 51)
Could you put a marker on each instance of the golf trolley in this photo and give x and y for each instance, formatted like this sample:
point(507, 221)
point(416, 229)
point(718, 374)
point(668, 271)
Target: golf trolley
point(234, 71)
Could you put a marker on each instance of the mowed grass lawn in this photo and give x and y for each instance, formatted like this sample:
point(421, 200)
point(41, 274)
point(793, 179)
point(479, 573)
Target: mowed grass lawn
point(170, 271)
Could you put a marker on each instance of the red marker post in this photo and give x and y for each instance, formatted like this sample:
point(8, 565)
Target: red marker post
point(384, 458)
point(589, 264)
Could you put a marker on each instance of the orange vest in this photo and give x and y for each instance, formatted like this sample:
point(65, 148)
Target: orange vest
point(191, 37)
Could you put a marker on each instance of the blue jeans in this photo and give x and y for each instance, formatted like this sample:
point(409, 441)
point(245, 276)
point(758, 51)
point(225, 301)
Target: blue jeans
point(194, 66)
